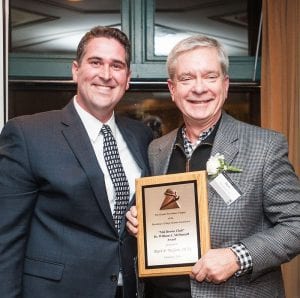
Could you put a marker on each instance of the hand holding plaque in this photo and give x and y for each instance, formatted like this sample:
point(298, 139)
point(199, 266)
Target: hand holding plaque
point(173, 223)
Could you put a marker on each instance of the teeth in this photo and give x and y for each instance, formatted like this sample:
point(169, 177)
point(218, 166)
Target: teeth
point(202, 101)
point(195, 101)
point(102, 87)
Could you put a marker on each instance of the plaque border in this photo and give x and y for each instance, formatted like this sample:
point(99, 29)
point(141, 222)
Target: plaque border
point(202, 217)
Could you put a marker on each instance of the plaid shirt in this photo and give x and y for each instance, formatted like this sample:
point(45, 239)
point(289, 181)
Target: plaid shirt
point(188, 146)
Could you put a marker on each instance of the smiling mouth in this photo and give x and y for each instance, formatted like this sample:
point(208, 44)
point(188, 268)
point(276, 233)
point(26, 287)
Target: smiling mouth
point(199, 102)
point(102, 87)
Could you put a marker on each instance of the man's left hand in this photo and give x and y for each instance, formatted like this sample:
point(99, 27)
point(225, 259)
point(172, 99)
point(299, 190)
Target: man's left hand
point(216, 266)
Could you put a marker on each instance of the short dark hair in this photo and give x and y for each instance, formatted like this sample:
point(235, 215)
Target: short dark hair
point(108, 32)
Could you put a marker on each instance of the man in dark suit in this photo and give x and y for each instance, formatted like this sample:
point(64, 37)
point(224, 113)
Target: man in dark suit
point(254, 208)
point(57, 234)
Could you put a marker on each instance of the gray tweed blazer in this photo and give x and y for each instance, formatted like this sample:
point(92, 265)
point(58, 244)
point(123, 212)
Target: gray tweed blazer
point(266, 218)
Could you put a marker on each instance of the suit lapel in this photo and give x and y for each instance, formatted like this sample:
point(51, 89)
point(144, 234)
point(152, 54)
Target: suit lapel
point(225, 143)
point(163, 154)
point(78, 140)
point(132, 142)
point(226, 139)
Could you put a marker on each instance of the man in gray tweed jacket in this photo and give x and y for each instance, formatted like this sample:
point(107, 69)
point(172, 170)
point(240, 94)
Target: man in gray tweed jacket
point(255, 225)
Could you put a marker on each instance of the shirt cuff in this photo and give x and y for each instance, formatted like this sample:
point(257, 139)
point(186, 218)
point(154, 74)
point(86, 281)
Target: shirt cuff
point(244, 258)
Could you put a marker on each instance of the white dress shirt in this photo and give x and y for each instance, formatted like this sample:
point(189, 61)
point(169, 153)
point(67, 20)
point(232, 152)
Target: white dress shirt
point(93, 127)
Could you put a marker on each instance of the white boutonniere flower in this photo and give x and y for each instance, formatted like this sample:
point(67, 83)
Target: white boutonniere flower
point(216, 164)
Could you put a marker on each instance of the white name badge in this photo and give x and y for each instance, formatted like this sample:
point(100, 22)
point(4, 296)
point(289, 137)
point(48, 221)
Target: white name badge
point(225, 188)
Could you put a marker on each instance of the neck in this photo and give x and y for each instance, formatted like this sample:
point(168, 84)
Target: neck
point(195, 128)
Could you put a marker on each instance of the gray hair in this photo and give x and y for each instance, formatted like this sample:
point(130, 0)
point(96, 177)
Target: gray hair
point(192, 43)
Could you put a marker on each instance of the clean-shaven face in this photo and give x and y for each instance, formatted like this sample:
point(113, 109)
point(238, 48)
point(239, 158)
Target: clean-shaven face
point(102, 77)
point(199, 87)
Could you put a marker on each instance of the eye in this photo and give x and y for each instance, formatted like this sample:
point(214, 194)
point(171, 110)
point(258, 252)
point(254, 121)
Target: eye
point(185, 78)
point(95, 62)
point(212, 77)
point(117, 66)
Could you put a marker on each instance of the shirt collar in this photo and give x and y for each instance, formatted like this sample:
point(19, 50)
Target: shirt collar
point(91, 123)
point(208, 136)
point(188, 146)
point(201, 137)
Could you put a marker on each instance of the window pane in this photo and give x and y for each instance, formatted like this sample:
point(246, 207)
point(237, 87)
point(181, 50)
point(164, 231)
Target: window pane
point(56, 26)
point(223, 20)
point(153, 107)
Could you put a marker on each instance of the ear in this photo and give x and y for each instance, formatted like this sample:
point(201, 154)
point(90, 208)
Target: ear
point(171, 87)
point(226, 86)
point(75, 68)
point(128, 80)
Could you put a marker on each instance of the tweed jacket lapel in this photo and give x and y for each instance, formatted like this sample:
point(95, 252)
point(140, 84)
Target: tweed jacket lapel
point(78, 140)
point(159, 159)
point(225, 143)
point(226, 139)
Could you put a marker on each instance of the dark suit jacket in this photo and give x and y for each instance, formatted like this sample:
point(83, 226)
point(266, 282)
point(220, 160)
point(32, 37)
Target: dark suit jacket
point(57, 237)
point(266, 218)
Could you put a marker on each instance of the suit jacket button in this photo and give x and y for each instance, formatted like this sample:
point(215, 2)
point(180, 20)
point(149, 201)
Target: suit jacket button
point(114, 278)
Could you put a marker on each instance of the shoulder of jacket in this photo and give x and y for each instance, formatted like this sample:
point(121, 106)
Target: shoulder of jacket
point(165, 138)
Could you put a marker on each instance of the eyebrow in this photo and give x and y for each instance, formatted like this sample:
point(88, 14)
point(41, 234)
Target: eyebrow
point(111, 61)
point(184, 74)
point(204, 73)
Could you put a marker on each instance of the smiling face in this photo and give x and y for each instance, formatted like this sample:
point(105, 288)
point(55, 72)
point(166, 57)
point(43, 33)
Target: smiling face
point(199, 88)
point(102, 77)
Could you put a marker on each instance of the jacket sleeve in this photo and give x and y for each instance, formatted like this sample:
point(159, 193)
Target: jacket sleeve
point(18, 193)
point(279, 241)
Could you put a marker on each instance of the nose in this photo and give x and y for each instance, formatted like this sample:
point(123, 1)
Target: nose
point(105, 72)
point(199, 85)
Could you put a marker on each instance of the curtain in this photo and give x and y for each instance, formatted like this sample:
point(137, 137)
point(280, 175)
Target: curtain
point(280, 92)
